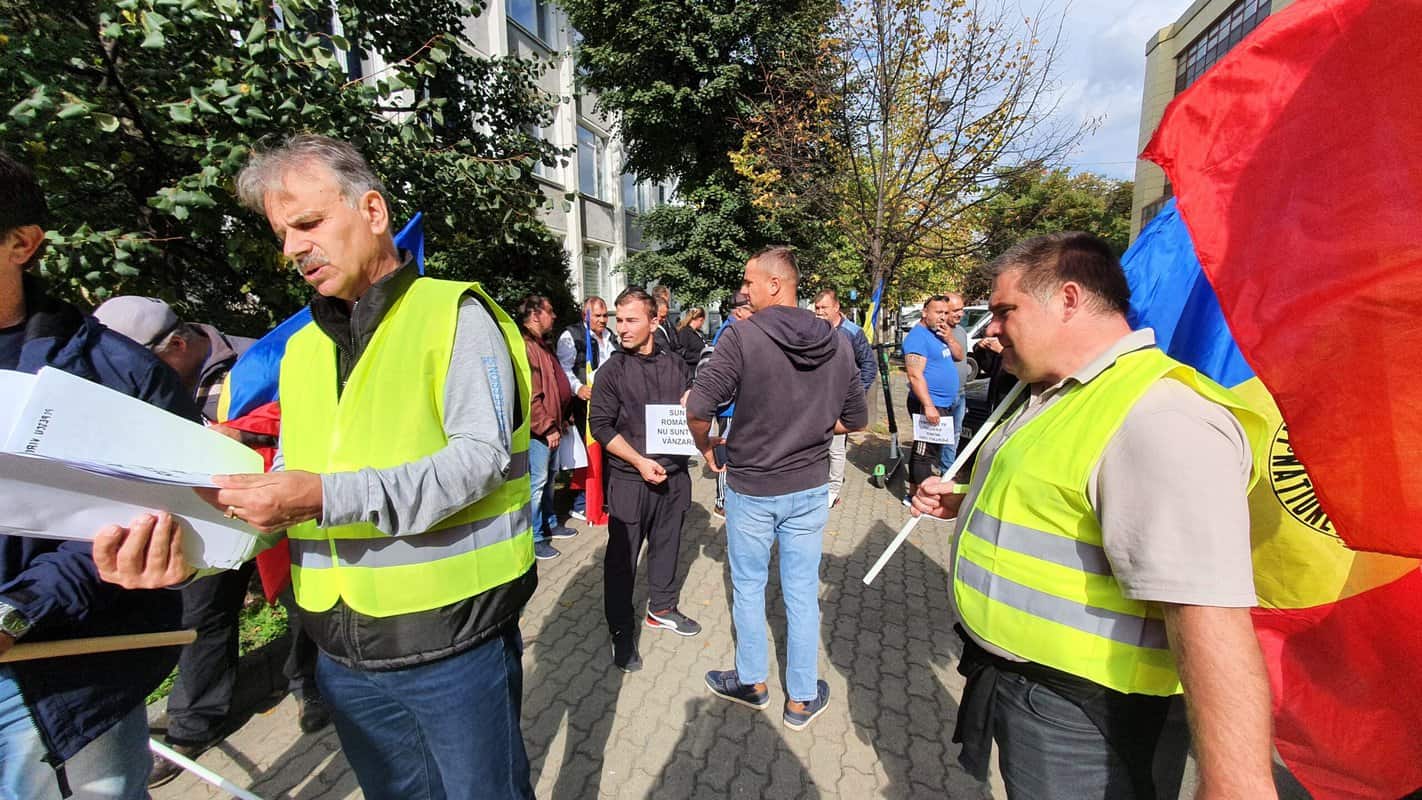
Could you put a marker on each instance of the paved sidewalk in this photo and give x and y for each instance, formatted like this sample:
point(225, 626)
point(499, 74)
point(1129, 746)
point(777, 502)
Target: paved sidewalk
point(887, 651)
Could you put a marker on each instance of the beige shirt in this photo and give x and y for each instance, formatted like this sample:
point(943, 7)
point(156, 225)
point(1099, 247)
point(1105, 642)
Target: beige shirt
point(1170, 491)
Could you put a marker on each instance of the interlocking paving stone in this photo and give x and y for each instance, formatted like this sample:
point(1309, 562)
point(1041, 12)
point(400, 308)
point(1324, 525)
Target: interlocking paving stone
point(887, 651)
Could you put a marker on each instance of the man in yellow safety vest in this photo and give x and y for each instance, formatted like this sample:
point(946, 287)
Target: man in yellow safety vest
point(1101, 565)
point(404, 493)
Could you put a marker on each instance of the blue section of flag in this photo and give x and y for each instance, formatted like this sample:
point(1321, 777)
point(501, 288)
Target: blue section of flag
point(253, 379)
point(1170, 293)
point(412, 238)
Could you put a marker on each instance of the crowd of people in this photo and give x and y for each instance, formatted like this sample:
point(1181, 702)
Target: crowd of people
point(420, 434)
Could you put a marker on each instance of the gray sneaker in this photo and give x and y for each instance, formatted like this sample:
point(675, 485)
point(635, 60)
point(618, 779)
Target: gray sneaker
point(544, 551)
point(673, 621)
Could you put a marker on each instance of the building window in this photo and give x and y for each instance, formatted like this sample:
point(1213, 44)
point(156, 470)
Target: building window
point(592, 160)
point(595, 261)
point(534, 16)
point(1149, 210)
point(630, 201)
point(1225, 33)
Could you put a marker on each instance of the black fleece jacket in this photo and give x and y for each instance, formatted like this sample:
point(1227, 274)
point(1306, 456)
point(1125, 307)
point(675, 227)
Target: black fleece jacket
point(792, 377)
point(626, 384)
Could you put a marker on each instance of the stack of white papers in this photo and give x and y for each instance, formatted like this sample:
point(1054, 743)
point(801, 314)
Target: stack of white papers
point(76, 456)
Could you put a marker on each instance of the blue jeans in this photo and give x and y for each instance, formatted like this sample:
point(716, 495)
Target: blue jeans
point(446, 729)
point(540, 474)
point(796, 522)
point(113, 767)
point(948, 452)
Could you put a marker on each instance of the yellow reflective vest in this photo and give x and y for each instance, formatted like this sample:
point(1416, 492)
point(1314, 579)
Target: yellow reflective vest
point(1031, 575)
point(391, 412)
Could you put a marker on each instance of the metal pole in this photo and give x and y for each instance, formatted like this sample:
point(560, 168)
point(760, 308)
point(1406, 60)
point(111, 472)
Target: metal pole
point(958, 463)
point(201, 771)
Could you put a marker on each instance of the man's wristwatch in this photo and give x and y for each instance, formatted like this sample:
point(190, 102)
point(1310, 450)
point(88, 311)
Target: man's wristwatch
point(12, 621)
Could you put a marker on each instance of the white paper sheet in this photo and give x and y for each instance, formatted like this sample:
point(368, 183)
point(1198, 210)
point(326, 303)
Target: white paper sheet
point(667, 434)
point(572, 453)
point(942, 433)
point(14, 391)
point(76, 456)
point(93, 427)
point(40, 497)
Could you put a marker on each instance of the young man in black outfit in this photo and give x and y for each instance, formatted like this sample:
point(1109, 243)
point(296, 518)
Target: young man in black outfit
point(647, 495)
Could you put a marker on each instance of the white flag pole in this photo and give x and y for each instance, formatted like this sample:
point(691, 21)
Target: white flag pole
point(958, 463)
point(201, 771)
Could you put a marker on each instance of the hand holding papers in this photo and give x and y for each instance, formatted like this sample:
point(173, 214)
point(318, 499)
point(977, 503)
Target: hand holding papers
point(76, 456)
point(148, 554)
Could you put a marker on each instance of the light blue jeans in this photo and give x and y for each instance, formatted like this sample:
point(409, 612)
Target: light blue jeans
point(949, 452)
point(112, 767)
point(796, 522)
point(540, 474)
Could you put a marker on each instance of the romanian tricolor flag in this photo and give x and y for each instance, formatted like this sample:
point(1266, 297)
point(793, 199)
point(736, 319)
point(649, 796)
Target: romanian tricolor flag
point(589, 479)
point(1292, 271)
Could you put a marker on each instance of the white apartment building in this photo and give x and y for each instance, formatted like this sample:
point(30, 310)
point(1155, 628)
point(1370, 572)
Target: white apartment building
point(599, 226)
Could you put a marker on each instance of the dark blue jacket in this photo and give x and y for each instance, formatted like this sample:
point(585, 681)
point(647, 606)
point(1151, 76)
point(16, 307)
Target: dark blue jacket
point(863, 353)
point(55, 583)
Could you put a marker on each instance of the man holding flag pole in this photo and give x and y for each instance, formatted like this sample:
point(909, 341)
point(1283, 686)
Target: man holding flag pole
point(1101, 564)
point(582, 348)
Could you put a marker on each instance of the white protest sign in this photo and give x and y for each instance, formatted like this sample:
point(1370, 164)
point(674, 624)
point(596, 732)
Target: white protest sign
point(667, 434)
point(942, 433)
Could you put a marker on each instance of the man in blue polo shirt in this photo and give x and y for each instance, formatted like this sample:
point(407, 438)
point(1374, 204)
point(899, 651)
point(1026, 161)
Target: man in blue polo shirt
point(933, 385)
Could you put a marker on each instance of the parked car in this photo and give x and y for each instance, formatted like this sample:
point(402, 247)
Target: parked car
point(909, 317)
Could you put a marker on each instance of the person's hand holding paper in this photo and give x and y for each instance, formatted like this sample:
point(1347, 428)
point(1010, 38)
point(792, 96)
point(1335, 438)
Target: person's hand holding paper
point(269, 502)
point(148, 554)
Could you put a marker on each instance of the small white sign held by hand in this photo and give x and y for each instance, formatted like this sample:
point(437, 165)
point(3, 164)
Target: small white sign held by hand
point(942, 433)
point(667, 434)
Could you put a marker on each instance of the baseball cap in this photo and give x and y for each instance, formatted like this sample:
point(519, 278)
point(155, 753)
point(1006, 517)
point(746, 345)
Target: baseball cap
point(739, 299)
point(146, 320)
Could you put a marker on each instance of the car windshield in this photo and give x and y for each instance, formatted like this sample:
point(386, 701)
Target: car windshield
point(973, 316)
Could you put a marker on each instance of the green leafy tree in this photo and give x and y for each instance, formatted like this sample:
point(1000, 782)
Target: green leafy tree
point(687, 81)
point(138, 114)
point(1036, 201)
point(939, 99)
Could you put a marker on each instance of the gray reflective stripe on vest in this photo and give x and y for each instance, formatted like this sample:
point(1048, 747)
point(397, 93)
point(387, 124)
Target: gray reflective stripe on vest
point(1113, 625)
point(419, 548)
point(1061, 550)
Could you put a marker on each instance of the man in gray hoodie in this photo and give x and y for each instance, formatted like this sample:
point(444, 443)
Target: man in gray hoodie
point(796, 386)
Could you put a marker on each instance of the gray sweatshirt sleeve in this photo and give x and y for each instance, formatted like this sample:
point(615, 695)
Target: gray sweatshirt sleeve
point(480, 395)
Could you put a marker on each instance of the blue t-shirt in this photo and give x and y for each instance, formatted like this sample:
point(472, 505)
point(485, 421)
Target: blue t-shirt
point(940, 372)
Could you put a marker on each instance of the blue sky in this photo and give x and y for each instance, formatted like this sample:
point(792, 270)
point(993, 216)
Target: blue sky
point(1101, 70)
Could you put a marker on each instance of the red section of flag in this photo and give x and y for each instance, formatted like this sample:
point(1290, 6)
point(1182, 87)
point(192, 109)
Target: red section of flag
point(1346, 708)
point(1296, 162)
point(274, 563)
point(597, 515)
point(1295, 165)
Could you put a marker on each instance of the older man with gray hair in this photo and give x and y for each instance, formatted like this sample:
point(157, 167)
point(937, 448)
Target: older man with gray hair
point(405, 493)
